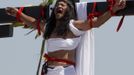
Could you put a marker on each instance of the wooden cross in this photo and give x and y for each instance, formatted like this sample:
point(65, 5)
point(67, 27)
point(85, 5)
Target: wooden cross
point(7, 30)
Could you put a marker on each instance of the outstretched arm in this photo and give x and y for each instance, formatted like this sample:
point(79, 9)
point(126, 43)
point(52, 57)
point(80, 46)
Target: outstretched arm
point(28, 20)
point(99, 21)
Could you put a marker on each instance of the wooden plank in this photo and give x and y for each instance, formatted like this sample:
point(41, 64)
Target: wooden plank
point(6, 30)
point(31, 11)
point(101, 7)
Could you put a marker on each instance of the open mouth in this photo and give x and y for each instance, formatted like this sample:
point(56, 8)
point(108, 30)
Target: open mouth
point(59, 10)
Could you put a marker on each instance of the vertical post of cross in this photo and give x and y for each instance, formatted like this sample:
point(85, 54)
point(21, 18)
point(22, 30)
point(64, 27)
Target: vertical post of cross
point(6, 30)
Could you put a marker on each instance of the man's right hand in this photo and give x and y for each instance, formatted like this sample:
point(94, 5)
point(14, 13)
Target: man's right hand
point(11, 11)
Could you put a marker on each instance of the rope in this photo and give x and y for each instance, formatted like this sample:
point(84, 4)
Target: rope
point(93, 14)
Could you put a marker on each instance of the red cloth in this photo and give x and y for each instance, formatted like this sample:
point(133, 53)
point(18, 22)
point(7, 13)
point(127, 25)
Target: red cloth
point(93, 14)
point(42, 13)
point(58, 60)
point(19, 13)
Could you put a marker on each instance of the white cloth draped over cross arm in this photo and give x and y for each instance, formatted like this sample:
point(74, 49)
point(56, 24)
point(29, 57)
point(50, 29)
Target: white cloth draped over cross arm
point(85, 50)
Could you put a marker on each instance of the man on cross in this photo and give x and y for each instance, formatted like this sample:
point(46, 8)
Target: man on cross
point(66, 41)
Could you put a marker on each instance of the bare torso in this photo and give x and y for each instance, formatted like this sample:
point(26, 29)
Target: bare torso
point(62, 54)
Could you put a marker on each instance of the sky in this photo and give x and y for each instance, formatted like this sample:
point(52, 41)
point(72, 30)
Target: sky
point(113, 50)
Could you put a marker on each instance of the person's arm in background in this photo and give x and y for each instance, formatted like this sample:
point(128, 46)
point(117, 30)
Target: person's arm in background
point(99, 21)
point(28, 20)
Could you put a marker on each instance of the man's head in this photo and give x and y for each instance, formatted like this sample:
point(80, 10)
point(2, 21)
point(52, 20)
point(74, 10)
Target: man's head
point(62, 13)
point(63, 8)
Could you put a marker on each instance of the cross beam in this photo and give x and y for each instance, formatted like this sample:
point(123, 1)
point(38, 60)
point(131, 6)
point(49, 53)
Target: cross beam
point(101, 7)
point(34, 12)
point(6, 30)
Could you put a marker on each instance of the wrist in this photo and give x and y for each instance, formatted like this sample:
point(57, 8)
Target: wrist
point(19, 13)
point(114, 9)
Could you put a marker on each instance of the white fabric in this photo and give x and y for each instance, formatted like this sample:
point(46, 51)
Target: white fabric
point(81, 9)
point(75, 31)
point(54, 44)
point(60, 70)
point(85, 51)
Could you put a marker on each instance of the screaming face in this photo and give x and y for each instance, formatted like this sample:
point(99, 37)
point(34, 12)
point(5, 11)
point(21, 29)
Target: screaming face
point(60, 9)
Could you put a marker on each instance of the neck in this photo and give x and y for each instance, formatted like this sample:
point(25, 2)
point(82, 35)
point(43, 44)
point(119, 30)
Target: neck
point(58, 22)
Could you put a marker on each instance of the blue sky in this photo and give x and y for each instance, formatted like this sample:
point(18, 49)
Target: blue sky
point(113, 51)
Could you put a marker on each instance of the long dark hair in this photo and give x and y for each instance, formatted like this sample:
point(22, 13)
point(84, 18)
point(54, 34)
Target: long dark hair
point(63, 28)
